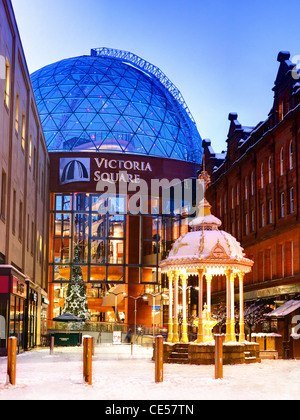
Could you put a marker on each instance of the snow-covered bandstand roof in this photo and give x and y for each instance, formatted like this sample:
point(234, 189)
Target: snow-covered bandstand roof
point(206, 248)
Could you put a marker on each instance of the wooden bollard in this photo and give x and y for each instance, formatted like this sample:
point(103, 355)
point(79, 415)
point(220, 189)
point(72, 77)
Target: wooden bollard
point(219, 340)
point(87, 359)
point(51, 344)
point(159, 359)
point(131, 349)
point(12, 360)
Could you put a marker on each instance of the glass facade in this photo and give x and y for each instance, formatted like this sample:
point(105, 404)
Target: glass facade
point(105, 104)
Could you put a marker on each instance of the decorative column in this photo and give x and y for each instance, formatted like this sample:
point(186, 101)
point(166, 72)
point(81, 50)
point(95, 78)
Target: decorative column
point(228, 307)
point(232, 321)
point(208, 288)
point(170, 330)
point(184, 337)
point(200, 335)
point(242, 321)
point(175, 321)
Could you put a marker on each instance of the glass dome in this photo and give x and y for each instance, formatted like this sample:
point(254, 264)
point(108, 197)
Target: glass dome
point(113, 101)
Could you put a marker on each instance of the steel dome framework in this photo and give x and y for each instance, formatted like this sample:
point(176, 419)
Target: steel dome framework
point(114, 101)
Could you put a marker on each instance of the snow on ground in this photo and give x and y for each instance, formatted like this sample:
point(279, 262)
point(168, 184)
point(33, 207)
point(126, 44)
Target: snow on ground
point(119, 376)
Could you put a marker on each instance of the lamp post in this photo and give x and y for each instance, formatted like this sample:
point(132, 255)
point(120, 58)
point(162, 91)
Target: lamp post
point(116, 301)
point(135, 311)
point(154, 296)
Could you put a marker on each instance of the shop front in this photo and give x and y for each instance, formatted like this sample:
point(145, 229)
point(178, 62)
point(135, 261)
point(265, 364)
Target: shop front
point(23, 310)
point(13, 291)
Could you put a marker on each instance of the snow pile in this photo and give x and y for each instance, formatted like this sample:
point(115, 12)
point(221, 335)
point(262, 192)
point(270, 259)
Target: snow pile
point(119, 376)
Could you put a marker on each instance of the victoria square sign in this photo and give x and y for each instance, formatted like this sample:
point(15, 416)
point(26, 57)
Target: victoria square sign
point(135, 180)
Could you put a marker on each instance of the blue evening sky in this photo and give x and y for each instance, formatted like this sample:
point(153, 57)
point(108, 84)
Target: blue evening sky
point(221, 54)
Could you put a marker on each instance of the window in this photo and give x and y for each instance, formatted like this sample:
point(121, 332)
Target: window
point(220, 207)
point(14, 212)
point(252, 183)
point(32, 238)
point(262, 176)
point(238, 194)
point(34, 162)
point(7, 83)
point(291, 155)
point(20, 220)
point(17, 113)
point(262, 215)
point(281, 162)
point(292, 208)
point(270, 211)
point(252, 221)
point(246, 224)
point(246, 188)
point(3, 195)
point(23, 130)
point(270, 169)
point(232, 198)
point(282, 204)
point(30, 152)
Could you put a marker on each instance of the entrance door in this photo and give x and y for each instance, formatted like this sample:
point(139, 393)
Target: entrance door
point(16, 323)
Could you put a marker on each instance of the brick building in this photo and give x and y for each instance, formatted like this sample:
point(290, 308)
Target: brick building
point(255, 191)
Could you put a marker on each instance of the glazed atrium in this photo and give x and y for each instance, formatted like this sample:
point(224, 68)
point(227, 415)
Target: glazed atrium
point(105, 116)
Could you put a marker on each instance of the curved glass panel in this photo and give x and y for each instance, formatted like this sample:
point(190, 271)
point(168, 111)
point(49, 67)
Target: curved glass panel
point(107, 105)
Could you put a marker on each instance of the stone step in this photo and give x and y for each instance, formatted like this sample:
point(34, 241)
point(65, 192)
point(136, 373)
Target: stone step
point(268, 354)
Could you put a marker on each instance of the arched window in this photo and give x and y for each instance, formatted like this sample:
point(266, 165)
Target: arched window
point(291, 155)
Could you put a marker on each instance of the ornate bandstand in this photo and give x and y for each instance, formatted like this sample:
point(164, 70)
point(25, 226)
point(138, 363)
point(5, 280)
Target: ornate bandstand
point(207, 252)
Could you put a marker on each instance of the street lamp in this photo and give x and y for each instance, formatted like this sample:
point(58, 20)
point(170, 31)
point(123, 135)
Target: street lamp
point(116, 301)
point(135, 310)
point(154, 296)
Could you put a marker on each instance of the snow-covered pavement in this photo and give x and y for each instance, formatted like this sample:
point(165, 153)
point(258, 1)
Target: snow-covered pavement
point(119, 376)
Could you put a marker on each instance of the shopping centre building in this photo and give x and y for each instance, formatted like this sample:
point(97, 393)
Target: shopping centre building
point(113, 120)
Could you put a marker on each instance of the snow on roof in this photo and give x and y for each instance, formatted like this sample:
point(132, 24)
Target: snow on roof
point(287, 308)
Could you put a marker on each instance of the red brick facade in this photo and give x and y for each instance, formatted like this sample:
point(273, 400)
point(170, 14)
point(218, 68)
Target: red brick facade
point(255, 190)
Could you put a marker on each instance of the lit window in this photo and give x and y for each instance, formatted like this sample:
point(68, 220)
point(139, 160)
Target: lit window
point(23, 130)
point(238, 194)
point(262, 176)
point(232, 198)
point(7, 83)
point(17, 113)
point(30, 151)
